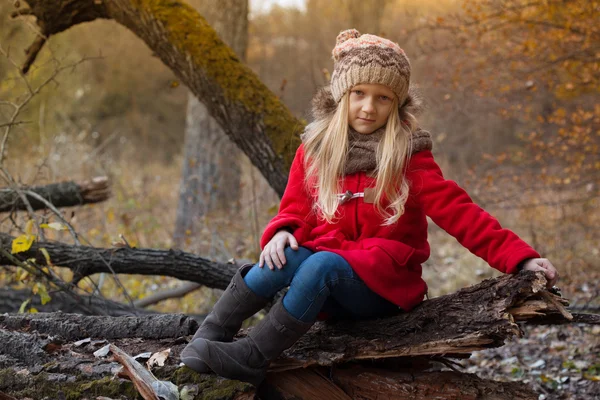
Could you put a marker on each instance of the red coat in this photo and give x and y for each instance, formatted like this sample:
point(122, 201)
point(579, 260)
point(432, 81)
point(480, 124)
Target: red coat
point(388, 258)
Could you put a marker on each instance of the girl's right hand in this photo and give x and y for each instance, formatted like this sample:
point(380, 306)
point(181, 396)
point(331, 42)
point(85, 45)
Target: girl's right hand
point(273, 253)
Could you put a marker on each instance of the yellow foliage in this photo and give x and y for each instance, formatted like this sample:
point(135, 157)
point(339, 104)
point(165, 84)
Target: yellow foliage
point(22, 243)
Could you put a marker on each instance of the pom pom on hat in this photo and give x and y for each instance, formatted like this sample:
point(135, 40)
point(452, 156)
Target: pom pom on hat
point(345, 35)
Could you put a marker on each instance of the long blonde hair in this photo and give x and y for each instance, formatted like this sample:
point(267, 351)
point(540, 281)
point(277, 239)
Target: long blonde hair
point(326, 149)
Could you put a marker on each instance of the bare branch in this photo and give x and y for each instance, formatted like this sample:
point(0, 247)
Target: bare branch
point(56, 212)
point(175, 293)
point(8, 124)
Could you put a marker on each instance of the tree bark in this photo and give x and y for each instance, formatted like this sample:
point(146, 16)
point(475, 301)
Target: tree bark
point(449, 326)
point(73, 327)
point(85, 261)
point(210, 178)
point(374, 383)
point(64, 194)
point(249, 113)
point(368, 383)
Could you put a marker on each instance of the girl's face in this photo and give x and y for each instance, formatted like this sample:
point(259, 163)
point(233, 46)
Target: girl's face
point(370, 105)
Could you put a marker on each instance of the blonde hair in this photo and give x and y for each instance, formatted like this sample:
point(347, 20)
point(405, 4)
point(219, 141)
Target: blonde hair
point(326, 149)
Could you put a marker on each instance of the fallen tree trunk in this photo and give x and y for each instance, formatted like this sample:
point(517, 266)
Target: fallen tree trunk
point(11, 300)
point(475, 318)
point(63, 194)
point(86, 260)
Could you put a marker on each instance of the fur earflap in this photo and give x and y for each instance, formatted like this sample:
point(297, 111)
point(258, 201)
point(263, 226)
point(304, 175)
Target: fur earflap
point(323, 104)
point(414, 103)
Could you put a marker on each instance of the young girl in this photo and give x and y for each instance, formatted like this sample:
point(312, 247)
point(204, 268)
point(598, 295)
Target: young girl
point(351, 232)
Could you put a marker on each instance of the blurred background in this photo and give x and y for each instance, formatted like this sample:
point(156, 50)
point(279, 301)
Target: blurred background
point(511, 89)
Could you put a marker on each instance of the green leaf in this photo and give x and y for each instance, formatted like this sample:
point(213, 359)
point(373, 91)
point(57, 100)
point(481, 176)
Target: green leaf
point(23, 305)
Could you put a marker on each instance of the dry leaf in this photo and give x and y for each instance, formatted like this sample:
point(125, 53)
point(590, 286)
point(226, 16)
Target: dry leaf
point(158, 358)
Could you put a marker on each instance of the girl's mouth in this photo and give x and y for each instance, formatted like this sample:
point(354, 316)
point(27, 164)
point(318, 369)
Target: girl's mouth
point(366, 120)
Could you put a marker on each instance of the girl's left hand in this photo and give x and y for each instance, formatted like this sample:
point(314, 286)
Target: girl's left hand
point(545, 266)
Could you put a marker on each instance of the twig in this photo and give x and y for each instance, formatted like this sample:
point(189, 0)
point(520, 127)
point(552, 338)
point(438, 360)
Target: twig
point(31, 93)
point(56, 212)
point(14, 123)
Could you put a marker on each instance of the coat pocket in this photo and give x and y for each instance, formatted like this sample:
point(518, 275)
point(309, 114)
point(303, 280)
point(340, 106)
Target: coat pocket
point(332, 239)
point(397, 251)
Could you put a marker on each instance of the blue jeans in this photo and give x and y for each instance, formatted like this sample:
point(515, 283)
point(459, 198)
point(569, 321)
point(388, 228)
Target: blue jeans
point(321, 281)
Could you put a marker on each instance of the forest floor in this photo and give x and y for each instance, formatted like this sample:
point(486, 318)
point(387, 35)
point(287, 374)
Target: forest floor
point(558, 362)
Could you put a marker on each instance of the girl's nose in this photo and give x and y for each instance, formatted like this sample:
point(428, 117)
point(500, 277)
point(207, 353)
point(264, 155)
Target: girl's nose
point(368, 107)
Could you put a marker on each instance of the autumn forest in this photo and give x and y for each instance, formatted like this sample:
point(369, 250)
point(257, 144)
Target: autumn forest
point(175, 122)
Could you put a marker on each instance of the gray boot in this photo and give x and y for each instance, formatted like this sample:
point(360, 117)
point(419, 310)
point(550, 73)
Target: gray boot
point(247, 359)
point(236, 304)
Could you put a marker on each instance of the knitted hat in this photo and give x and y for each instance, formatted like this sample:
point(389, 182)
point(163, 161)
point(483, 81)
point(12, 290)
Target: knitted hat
point(368, 59)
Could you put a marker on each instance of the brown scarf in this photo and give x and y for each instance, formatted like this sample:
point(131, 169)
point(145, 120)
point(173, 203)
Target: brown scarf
point(362, 154)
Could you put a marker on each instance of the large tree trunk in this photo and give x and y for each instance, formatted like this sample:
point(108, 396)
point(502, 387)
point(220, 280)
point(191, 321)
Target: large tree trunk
point(64, 194)
point(249, 113)
point(210, 178)
point(474, 318)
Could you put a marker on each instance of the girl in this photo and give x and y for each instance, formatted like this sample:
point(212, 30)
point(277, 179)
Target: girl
point(351, 232)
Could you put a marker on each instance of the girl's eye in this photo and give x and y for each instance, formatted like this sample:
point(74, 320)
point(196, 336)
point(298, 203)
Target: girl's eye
point(384, 98)
point(358, 92)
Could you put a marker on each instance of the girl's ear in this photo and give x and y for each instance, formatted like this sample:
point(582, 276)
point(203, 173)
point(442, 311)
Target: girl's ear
point(323, 103)
point(413, 104)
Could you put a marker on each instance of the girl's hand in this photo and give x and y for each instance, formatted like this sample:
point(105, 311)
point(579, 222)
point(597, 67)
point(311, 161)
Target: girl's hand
point(273, 253)
point(544, 265)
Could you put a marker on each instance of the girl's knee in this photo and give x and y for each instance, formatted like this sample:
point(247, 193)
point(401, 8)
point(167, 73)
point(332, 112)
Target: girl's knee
point(325, 266)
point(267, 282)
point(294, 258)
